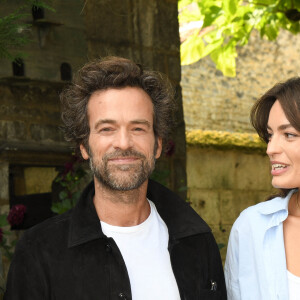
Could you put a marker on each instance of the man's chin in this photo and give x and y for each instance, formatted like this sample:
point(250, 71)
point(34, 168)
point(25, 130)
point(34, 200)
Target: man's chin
point(123, 186)
point(122, 182)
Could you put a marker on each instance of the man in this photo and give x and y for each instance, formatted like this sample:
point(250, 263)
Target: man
point(128, 237)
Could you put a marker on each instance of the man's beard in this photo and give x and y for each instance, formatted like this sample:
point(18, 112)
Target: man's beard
point(122, 177)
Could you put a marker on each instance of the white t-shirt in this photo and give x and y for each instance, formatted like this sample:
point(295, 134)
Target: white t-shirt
point(294, 286)
point(145, 251)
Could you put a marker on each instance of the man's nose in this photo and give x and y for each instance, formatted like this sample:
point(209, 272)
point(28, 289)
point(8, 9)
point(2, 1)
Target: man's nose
point(123, 140)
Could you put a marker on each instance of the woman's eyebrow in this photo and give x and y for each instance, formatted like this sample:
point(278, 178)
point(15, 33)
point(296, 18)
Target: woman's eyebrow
point(281, 127)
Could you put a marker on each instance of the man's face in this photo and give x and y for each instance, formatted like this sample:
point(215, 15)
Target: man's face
point(121, 143)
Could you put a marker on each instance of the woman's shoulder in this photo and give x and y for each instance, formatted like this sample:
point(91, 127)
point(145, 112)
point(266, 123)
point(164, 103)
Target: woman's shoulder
point(258, 214)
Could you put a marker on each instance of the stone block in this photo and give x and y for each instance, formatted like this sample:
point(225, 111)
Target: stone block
point(210, 169)
point(46, 133)
point(13, 130)
point(166, 20)
point(33, 182)
point(174, 68)
point(233, 202)
point(207, 204)
point(179, 176)
point(117, 16)
point(252, 171)
point(4, 186)
point(221, 234)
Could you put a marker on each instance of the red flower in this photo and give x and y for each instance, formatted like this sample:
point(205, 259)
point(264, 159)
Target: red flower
point(1, 235)
point(16, 214)
point(170, 148)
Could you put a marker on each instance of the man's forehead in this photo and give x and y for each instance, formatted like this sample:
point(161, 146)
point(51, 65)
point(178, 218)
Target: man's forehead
point(134, 104)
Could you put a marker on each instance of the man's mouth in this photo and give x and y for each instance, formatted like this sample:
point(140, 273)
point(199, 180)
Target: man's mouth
point(123, 159)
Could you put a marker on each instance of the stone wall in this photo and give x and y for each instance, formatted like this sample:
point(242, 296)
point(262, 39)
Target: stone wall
point(214, 102)
point(30, 115)
point(58, 38)
point(221, 183)
point(30, 134)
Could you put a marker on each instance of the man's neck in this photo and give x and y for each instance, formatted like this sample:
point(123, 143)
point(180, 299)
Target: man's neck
point(121, 208)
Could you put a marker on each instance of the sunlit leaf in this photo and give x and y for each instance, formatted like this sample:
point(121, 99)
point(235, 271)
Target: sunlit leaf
point(224, 58)
point(191, 50)
point(230, 6)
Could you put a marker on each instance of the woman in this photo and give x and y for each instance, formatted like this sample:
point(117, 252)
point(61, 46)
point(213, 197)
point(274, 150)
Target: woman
point(263, 255)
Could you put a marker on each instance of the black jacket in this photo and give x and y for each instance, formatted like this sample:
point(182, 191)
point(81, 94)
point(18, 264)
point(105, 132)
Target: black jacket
point(68, 257)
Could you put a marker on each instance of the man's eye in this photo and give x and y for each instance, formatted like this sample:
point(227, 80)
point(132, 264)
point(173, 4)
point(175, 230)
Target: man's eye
point(138, 129)
point(106, 129)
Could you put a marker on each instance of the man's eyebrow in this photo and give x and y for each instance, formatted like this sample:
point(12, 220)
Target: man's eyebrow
point(110, 121)
point(281, 127)
point(104, 121)
point(142, 122)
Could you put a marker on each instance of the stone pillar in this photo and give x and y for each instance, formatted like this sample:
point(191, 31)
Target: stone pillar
point(146, 32)
point(4, 187)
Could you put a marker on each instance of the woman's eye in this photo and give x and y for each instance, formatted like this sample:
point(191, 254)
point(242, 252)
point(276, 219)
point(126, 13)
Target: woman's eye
point(290, 135)
point(269, 136)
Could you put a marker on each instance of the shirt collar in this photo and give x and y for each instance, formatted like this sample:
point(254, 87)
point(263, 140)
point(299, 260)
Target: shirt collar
point(179, 217)
point(277, 204)
point(276, 209)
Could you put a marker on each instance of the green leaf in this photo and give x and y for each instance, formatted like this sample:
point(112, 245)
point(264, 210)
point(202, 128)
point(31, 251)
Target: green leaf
point(230, 6)
point(211, 16)
point(224, 58)
point(3, 220)
point(63, 195)
point(221, 245)
point(271, 30)
point(212, 47)
point(191, 50)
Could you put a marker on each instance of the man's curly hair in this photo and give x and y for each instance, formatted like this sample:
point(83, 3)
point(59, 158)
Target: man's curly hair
point(117, 73)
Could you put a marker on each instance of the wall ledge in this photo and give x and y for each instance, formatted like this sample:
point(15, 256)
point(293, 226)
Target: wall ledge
point(225, 140)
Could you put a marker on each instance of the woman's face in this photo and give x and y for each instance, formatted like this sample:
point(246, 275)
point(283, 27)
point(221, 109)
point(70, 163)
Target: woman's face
point(283, 149)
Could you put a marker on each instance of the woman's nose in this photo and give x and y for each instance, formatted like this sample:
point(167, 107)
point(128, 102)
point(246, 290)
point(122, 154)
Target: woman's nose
point(273, 145)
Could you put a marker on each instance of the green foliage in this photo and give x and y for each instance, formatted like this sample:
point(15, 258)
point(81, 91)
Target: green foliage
point(161, 176)
point(227, 24)
point(14, 29)
point(6, 247)
point(69, 181)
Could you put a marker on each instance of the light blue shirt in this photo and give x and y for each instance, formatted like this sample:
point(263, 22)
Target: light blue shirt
point(255, 267)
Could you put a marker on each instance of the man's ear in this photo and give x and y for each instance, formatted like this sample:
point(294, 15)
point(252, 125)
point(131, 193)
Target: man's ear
point(84, 152)
point(159, 147)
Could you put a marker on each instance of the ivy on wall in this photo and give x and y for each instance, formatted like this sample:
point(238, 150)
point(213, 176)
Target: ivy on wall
point(225, 140)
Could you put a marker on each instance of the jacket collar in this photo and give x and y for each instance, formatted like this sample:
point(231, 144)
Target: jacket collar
point(180, 218)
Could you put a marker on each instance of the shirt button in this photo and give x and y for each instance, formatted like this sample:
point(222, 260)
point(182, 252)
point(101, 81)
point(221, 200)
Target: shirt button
point(122, 296)
point(108, 248)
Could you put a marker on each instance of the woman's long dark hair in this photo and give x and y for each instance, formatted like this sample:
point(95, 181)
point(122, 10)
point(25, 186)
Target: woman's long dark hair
point(288, 95)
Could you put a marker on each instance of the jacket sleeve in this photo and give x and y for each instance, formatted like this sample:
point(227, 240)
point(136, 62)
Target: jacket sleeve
point(218, 269)
point(25, 279)
point(231, 268)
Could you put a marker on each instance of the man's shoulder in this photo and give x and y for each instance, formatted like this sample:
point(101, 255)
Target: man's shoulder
point(52, 229)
